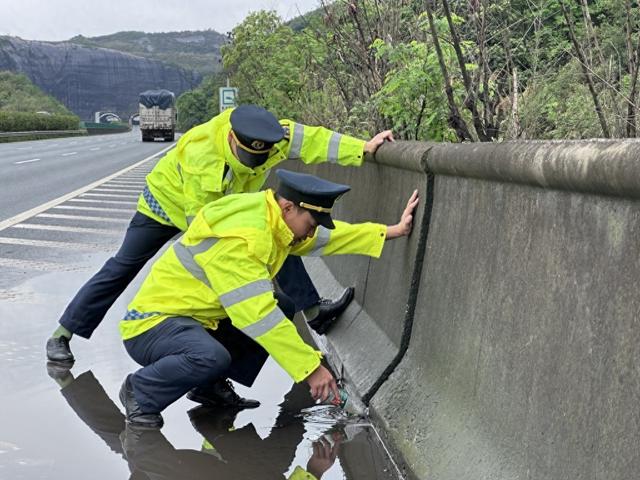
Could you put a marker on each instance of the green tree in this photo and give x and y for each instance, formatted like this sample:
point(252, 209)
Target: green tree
point(199, 105)
point(18, 94)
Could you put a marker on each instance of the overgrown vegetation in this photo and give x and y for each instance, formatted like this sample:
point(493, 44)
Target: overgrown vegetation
point(18, 94)
point(482, 70)
point(25, 122)
point(24, 107)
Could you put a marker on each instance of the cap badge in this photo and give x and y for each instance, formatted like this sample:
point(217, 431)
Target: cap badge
point(257, 145)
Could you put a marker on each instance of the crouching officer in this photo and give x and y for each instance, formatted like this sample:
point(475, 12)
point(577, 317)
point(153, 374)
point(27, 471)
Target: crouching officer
point(207, 309)
point(232, 153)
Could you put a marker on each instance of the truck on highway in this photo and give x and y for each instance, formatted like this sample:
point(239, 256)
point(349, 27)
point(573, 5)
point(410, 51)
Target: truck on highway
point(158, 115)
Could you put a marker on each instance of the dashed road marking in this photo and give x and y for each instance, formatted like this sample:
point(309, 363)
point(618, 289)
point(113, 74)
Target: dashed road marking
point(119, 202)
point(110, 190)
point(27, 161)
point(110, 195)
point(82, 217)
point(95, 209)
point(39, 265)
point(54, 244)
point(60, 228)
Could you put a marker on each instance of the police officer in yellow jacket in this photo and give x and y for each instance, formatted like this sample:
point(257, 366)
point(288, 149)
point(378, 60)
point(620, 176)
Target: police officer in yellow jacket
point(232, 153)
point(217, 279)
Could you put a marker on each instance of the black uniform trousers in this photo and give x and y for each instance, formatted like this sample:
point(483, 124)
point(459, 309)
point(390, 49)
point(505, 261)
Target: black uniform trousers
point(179, 354)
point(143, 239)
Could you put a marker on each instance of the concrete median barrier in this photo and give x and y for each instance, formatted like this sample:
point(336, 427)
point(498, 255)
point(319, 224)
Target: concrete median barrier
point(501, 340)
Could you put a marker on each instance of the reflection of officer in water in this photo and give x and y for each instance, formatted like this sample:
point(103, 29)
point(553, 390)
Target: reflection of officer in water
point(225, 451)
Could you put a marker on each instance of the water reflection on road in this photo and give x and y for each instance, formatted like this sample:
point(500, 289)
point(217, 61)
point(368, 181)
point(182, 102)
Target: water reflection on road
point(57, 424)
point(225, 452)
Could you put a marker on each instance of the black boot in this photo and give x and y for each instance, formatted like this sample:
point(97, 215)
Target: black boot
point(135, 415)
point(329, 311)
point(58, 350)
point(220, 394)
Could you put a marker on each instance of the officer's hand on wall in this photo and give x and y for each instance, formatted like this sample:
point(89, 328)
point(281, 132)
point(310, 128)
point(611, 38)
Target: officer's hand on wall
point(403, 228)
point(372, 145)
point(321, 382)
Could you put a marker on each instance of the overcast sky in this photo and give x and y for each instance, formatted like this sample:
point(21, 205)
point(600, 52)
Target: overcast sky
point(63, 19)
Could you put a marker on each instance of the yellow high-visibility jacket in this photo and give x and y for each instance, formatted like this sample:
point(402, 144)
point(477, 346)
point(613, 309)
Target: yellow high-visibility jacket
point(193, 174)
point(223, 266)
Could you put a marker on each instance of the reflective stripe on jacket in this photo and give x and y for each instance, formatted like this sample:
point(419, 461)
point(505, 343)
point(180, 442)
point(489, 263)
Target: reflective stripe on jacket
point(193, 174)
point(223, 267)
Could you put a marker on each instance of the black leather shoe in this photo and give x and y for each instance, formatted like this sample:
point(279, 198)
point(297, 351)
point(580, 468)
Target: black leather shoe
point(330, 311)
point(58, 350)
point(220, 394)
point(135, 416)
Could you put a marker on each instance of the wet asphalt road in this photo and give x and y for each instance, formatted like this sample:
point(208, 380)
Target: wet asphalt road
point(68, 424)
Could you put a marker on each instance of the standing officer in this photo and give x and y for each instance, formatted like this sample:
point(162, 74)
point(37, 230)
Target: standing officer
point(232, 153)
point(207, 309)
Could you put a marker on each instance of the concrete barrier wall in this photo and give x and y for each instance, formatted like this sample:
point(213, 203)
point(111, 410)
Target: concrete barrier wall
point(523, 308)
point(374, 320)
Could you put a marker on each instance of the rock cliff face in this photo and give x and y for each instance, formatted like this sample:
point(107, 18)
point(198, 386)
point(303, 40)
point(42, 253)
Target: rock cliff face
point(88, 79)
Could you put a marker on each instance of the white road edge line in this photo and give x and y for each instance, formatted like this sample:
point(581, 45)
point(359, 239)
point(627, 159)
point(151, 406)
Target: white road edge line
point(45, 206)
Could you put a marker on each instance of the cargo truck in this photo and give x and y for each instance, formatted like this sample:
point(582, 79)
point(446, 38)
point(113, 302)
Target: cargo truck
point(158, 115)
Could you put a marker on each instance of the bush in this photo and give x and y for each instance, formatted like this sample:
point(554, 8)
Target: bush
point(28, 122)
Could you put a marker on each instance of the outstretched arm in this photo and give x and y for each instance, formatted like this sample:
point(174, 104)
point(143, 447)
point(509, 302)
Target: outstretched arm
point(404, 226)
point(359, 238)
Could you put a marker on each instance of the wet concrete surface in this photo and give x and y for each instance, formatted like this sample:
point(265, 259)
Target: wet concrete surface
point(58, 423)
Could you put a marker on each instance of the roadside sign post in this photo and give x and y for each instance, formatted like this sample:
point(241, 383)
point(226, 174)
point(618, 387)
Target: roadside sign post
point(228, 97)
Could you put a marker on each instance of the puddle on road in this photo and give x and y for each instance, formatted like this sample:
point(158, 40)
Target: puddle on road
point(72, 426)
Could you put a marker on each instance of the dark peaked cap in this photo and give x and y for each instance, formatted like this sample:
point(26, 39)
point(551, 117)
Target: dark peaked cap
point(255, 130)
point(312, 193)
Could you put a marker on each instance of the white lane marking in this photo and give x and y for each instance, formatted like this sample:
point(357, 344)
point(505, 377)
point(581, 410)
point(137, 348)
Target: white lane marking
point(130, 186)
point(39, 265)
point(116, 190)
point(94, 209)
point(60, 228)
point(82, 217)
point(45, 206)
point(94, 149)
point(24, 148)
point(69, 153)
point(27, 161)
point(114, 195)
point(54, 244)
point(128, 181)
point(122, 202)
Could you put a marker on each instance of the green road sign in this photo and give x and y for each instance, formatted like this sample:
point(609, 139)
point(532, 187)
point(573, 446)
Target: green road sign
point(228, 97)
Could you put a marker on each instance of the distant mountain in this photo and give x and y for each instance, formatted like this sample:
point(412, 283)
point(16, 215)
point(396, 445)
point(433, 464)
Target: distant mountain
point(191, 50)
point(89, 79)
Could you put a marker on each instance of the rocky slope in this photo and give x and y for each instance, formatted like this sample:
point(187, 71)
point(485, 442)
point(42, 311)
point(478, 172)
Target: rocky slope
point(192, 50)
point(88, 79)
